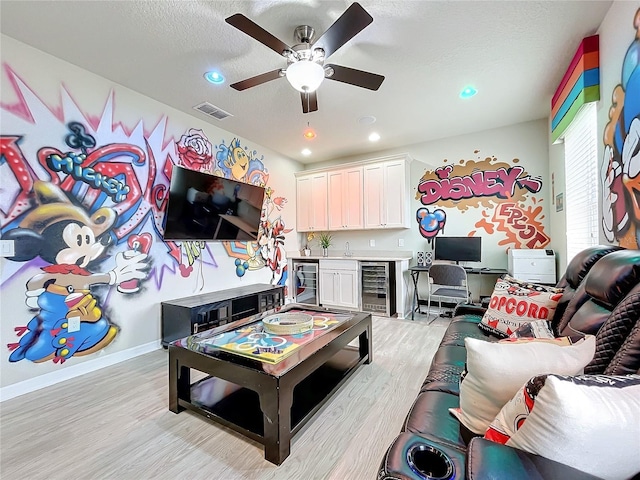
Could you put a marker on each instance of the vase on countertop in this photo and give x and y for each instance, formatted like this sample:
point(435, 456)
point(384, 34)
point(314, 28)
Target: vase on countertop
point(307, 252)
point(325, 252)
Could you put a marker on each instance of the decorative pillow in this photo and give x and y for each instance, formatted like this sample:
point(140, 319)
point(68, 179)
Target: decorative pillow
point(589, 422)
point(514, 302)
point(534, 329)
point(495, 371)
point(515, 412)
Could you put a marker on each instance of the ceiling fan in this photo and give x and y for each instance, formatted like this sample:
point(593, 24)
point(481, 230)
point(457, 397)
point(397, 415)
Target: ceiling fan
point(305, 60)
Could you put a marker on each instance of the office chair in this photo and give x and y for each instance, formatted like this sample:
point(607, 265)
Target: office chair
point(447, 282)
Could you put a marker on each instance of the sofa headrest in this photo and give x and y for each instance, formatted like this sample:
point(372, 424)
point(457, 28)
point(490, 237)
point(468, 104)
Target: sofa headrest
point(583, 262)
point(613, 276)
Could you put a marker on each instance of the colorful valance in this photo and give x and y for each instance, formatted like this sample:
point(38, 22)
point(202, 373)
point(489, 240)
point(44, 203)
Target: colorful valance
point(580, 85)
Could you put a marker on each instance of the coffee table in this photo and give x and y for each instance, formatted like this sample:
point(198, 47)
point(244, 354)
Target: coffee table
point(277, 397)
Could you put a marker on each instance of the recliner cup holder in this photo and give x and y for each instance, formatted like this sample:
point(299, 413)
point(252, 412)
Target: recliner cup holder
point(430, 463)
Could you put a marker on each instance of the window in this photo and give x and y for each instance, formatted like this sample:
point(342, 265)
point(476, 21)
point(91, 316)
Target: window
point(581, 181)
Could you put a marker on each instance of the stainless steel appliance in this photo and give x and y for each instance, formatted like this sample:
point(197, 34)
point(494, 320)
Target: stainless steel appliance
point(305, 282)
point(378, 288)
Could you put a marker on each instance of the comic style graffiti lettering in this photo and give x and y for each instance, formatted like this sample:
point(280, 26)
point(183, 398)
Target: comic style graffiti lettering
point(71, 163)
point(430, 223)
point(520, 225)
point(499, 183)
point(621, 162)
point(497, 186)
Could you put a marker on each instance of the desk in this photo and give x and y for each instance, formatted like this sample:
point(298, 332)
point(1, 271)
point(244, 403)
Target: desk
point(417, 270)
point(415, 275)
point(485, 271)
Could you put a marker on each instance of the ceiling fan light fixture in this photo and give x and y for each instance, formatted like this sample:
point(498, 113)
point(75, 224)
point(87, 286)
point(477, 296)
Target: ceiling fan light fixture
point(305, 76)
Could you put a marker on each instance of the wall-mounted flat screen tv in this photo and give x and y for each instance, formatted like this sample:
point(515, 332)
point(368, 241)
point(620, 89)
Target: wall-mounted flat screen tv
point(458, 249)
point(207, 207)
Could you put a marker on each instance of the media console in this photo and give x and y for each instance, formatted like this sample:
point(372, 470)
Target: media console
point(189, 315)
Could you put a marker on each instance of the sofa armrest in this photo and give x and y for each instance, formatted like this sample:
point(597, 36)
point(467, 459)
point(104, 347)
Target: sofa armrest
point(469, 309)
point(494, 461)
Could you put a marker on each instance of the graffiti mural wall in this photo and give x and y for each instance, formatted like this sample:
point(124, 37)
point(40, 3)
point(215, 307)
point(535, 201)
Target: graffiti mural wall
point(83, 200)
point(621, 163)
point(503, 198)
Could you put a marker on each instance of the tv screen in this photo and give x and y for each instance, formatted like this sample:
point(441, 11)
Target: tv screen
point(207, 207)
point(458, 249)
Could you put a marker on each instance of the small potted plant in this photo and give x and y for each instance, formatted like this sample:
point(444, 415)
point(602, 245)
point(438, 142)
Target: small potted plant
point(307, 249)
point(324, 239)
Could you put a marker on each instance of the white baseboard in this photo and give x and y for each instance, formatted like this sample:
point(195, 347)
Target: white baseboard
point(48, 379)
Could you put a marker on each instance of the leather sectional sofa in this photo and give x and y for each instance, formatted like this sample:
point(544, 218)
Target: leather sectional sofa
point(601, 297)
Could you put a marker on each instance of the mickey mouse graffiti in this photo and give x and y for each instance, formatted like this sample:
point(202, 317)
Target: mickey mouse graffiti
point(69, 321)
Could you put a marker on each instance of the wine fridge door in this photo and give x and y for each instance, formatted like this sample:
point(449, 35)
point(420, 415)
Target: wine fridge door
point(378, 288)
point(305, 282)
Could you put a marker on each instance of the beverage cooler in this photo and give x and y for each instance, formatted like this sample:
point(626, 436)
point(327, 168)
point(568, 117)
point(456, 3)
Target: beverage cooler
point(305, 282)
point(378, 288)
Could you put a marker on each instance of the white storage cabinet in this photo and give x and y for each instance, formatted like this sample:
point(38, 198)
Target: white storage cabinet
point(339, 283)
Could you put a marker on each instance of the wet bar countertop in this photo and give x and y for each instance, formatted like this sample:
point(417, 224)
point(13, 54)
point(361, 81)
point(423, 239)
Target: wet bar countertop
point(360, 255)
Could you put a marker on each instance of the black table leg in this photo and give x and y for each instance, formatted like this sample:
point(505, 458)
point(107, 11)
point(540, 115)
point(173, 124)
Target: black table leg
point(366, 343)
point(179, 382)
point(275, 404)
point(415, 300)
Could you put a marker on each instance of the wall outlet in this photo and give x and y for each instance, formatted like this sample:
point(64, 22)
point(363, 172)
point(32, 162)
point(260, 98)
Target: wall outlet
point(73, 324)
point(401, 242)
point(372, 243)
point(7, 248)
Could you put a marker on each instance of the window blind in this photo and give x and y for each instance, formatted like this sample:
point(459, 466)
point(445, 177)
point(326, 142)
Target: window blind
point(581, 181)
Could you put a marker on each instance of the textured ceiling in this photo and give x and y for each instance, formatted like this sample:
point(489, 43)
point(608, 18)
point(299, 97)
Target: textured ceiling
point(513, 52)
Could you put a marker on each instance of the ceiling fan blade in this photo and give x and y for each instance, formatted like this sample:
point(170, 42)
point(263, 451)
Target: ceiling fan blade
point(257, 80)
point(351, 22)
point(254, 30)
point(359, 78)
point(309, 102)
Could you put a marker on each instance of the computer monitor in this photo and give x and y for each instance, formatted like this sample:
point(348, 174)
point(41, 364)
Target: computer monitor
point(458, 249)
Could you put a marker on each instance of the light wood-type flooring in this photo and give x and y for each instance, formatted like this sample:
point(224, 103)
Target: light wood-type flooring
point(115, 423)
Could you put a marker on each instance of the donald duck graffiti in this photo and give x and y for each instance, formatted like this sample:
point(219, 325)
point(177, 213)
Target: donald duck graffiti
point(68, 320)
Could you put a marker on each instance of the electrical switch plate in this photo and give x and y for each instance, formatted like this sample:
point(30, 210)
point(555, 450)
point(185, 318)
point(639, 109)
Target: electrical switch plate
point(372, 243)
point(8, 248)
point(401, 242)
point(73, 324)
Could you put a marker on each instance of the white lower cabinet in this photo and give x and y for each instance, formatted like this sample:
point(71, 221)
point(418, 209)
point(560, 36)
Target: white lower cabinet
point(340, 283)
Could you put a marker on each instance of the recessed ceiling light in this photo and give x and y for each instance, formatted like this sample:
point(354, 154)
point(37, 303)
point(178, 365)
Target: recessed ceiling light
point(309, 134)
point(306, 152)
point(468, 92)
point(214, 77)
point(374, 137)
point(367, 120)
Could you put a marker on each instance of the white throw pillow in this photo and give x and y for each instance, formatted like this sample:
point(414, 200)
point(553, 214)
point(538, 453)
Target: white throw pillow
point(590, 422)
point(497, 370)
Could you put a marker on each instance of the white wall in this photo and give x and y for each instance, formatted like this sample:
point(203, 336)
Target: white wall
point(525, 141)
point(56, 92)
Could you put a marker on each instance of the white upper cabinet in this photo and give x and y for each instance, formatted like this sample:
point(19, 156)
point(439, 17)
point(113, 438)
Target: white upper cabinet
point(372, 194)
point(385, 192)
point(311, 202)
point(345, 199)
